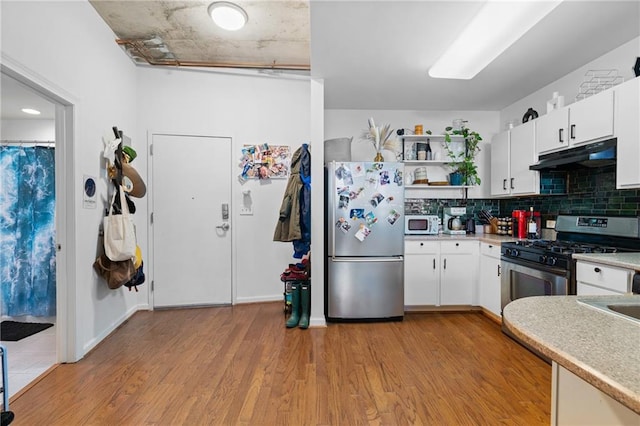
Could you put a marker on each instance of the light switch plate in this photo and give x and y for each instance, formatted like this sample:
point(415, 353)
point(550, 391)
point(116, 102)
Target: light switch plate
point(246, 211)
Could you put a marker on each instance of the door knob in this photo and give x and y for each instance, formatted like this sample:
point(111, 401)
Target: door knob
point(224, 226)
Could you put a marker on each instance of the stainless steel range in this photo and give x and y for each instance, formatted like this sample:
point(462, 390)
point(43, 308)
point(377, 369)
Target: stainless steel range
point(546, 268)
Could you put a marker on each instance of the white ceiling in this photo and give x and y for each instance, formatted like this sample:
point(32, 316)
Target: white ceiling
point(374, 54)
point(14, 96)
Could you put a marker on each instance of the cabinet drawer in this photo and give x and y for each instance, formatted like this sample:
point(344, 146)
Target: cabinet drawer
point(607, 277)
point(584, 289)
point(420, 247)
point(459, 246)
point(492, 250)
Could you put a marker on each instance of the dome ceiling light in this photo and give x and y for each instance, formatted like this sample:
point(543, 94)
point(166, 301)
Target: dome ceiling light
point(227, 15)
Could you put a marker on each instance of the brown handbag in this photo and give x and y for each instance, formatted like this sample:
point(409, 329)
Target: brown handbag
point(115, 273)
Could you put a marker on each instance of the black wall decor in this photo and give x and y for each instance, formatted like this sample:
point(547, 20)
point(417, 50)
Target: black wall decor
point(530, 115)
point(636, 68)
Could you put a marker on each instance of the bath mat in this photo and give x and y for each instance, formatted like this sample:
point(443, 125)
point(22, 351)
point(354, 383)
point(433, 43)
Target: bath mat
point(12, 331)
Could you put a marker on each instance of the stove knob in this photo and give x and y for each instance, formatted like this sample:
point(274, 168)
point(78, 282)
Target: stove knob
point(515, 253)
point(552, 261)
point(542, 259)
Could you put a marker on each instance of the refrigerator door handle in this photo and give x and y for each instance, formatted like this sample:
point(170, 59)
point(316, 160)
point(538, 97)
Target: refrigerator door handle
point(368, 259)
point(333, 210)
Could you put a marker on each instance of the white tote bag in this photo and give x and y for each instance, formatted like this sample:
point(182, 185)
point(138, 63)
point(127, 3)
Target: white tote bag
point(119, 231)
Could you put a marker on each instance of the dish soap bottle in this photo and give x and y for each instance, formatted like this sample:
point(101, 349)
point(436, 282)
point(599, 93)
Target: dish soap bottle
point(532, 226)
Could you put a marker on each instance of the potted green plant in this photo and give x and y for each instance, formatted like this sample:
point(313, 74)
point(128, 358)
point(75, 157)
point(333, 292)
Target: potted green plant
point(464, 170)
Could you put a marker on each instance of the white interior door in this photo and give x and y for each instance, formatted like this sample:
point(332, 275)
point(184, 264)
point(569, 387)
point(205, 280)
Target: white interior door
point(191, 185)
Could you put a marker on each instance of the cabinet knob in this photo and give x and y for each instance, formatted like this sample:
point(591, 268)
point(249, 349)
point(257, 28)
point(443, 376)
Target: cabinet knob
point(598, 270)
point(421, 244)
point(490, 246)
point(457, 244)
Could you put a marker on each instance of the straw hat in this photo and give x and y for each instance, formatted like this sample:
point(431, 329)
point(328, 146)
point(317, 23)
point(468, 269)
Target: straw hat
point(133, 183)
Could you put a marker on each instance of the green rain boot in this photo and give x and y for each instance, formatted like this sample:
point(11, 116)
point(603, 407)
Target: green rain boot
point(295, 305)
point(305, 302)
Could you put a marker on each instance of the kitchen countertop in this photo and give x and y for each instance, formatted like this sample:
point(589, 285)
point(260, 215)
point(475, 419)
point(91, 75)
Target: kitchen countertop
point(601, 348)
point(622, 260)
point(485, 238)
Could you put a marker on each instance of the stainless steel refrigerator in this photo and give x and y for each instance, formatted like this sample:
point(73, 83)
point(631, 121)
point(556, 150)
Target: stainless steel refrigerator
point(364, 241)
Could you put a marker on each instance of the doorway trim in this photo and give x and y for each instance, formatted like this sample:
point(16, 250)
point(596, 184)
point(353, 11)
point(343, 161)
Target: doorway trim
point(65, 203)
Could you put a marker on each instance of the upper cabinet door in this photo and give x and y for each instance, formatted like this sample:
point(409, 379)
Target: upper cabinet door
point(628, 134)
point(523, 154)
point(500, 164)
point(591, 119)
point(551, 133)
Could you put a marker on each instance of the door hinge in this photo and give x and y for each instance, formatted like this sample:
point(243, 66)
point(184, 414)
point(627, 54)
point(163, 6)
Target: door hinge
point(151, 218)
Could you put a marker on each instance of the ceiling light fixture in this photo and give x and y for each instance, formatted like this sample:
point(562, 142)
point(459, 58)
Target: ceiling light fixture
point(31, 111)
point(227, 15)
point(497, 26)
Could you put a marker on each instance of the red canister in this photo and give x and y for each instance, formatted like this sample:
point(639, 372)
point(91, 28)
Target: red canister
point(519, 218)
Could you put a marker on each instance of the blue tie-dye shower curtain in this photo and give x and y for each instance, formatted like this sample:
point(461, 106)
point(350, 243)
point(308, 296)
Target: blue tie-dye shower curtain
point(27, 231)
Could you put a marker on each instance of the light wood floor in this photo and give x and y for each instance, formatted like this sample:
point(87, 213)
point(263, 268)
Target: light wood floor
point(240, 365)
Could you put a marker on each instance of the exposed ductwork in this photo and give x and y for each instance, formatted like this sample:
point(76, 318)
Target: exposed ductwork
point(154, 52)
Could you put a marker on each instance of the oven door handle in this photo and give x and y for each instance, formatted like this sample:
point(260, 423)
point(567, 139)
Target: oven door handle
point(542, 269)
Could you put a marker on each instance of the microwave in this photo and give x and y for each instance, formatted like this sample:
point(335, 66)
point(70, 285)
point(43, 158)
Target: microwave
point(426, 224)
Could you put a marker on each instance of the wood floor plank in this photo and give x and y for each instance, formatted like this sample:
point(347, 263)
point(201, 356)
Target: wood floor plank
point(239, 365)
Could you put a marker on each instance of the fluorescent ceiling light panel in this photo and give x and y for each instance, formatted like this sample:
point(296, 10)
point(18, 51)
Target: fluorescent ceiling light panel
point(227, 15)
point(31, 111)
point(496, 27)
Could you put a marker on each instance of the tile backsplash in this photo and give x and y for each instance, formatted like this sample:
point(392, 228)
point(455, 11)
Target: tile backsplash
point(581, 191)
point(589, 191)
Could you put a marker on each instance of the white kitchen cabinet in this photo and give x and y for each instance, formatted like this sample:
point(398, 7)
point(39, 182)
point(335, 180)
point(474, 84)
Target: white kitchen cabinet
point(582, 122)
point(440, 272)
point(512, 152)
point(489, 283)
point(627, 130)
point(500, 164)
point(421, 273)
point(594, 279)
point(459, 260)
point(576, 402)
point(551, 132)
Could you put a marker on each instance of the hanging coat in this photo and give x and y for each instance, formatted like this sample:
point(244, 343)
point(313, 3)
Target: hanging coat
point(302, 246)
point(288, 226)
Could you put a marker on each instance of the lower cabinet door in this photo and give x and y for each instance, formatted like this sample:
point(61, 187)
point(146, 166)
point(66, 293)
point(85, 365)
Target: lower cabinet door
point(489, 285)
point(456, 279)
point(422, 279)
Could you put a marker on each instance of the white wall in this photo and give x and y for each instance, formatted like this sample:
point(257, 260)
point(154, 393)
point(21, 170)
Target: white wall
point(352, 123)
point(69, 49)
point(29, 130)
point(622, 58)
point(251, 110)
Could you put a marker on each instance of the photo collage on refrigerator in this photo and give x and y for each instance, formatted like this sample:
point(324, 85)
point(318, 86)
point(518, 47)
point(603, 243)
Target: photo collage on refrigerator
point(367, 193)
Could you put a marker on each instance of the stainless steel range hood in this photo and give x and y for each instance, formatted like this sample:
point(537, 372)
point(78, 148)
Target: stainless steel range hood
point(597, 154)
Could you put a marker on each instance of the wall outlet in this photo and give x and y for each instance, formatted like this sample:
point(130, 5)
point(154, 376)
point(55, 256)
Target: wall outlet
point(246, 211)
